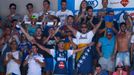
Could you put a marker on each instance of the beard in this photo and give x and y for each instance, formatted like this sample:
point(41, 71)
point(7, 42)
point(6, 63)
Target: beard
point(123, 30)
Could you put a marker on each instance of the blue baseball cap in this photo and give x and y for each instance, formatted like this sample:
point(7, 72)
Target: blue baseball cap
point(108, 18)
point(109, 31)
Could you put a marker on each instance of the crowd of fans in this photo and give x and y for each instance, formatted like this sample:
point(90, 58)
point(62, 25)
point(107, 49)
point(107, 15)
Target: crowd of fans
point(66, 43)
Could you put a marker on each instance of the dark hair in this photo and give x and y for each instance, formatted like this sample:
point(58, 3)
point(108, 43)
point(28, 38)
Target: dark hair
point(89, 7)
point(12, 4)
point(84, 23)
point(39, 28)
point(46, 1)
point(60, 41)
point(57, 18)
point(14, 20)
point(70, 16)
point(63, 1)
point(13, 42)
point(29, 4)
point(103, 1)
point(122, 23)
point(98, 65)
point(35, 45)
point(81, 6)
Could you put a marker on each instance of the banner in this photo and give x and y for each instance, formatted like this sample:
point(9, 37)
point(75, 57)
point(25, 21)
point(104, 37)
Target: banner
point(117, 5)
point(120, 5)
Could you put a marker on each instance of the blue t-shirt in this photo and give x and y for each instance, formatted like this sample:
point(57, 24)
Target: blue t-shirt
point(103, 72)
point(107, 46)
point(32, 29)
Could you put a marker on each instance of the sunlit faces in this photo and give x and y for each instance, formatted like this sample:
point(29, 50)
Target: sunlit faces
point(104, 3)
point(30, 8)
point(83, 4)
point(7, 31)
point(38, 32)
point(111, 13)
point(14, 23)
point(63, 5)
point(23, 37)
point(61, 45)
point(109, 35)
point(90, 12)
point(34, 49)
point(100, 14)
point(46, 5)
point(13, 45)
point(84, 28)
point(123, 27)
point(70, 20)
point(51, 30)
point(69, 33)
point(12, 8)
point(98, 69)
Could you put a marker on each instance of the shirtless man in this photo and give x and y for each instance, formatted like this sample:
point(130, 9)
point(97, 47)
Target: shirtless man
point(121, 47)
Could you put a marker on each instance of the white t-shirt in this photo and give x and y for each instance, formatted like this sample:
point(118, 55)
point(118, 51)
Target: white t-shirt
point(63, 15)
point(34, 67)
point(132, 39)
point(42, 12)
point(12, 66)
point(26, 18)
point(83, 38)
point(69, 52)
point(50, 12)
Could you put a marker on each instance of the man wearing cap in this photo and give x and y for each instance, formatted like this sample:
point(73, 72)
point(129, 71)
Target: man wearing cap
point(105, 48)
point(31, 28)
point(61, 57)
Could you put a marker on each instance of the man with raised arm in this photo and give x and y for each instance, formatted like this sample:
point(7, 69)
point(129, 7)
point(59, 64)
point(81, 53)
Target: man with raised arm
point(84, 38)
point(122, 47)
point(61, 56)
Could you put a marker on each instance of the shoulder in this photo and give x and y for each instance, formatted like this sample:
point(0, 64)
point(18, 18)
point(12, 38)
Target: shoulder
point(58, 12)
point(78, 34)
point(68, 10)
point(102, 39)
point(90, 32)
point(114, 73)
